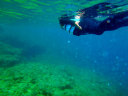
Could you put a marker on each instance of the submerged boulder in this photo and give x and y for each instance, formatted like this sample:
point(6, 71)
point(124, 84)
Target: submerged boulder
point(9, 55)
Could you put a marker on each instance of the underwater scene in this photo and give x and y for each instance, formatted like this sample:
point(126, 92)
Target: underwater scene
point(38, 58)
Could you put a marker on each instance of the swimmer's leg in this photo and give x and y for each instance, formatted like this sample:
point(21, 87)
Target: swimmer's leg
point(118, 20)
point(115, 22)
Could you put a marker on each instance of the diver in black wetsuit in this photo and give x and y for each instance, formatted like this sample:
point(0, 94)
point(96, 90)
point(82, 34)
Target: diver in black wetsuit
point(94, 20)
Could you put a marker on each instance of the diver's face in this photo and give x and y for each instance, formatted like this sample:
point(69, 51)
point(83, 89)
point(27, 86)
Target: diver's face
point(67, 24)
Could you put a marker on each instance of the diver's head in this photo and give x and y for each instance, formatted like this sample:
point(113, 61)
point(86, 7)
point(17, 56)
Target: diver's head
point(64, 20)
point(68, 23)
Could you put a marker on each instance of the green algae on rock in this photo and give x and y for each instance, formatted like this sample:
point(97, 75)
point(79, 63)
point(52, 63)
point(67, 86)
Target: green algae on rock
point(9, 55)
point(40, 79)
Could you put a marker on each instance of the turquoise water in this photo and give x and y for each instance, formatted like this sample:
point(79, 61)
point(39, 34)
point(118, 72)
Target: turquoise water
point(38, 58)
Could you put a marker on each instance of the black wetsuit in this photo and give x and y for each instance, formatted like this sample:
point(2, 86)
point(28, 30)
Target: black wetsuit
point(94, 22)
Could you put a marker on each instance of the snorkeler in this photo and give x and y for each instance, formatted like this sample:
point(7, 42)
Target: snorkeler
point(95, 20)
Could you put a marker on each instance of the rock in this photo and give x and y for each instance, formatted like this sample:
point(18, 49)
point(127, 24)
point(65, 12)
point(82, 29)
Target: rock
point(9, 55)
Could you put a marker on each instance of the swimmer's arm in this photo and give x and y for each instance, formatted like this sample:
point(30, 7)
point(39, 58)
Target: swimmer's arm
point(77, 23)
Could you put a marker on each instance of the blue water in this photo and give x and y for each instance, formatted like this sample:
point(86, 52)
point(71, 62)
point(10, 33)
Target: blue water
point(106, 54)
